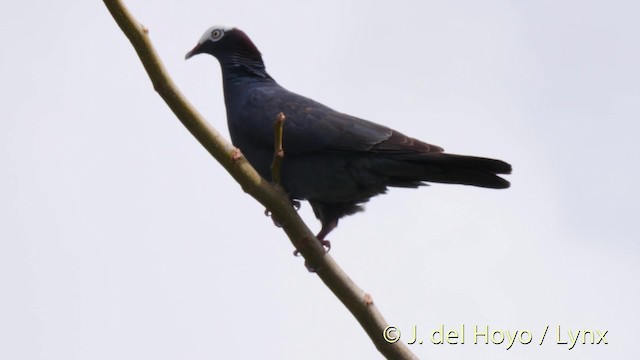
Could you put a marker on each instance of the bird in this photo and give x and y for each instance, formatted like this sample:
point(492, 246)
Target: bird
point(335, 161)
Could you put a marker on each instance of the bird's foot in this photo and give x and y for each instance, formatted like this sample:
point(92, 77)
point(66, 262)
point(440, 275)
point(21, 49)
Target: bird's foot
point(326, 244)
point(310, 268)
point(296, 205)
point(268, 213)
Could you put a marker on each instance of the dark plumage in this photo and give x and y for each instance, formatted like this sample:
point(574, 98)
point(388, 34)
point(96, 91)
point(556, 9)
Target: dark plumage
point(333, 160)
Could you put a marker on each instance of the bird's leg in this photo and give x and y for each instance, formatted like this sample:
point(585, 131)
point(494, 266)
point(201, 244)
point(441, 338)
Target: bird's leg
point(324, 231)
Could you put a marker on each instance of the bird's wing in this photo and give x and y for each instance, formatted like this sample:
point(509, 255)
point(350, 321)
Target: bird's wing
point(350, 133)
point(313, 127)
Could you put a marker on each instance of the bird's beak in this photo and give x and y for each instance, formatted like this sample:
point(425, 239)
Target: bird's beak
point(194, 51)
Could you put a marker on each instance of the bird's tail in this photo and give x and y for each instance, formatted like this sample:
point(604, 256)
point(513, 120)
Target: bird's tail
point(449, 169)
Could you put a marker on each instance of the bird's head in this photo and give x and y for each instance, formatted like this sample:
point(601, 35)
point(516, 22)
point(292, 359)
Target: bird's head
point(220, 41)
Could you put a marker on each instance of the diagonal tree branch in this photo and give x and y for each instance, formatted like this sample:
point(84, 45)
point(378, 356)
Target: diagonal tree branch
point(272, 197)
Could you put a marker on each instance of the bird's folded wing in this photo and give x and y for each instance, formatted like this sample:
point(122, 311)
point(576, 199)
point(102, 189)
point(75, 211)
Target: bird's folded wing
point(312, 127)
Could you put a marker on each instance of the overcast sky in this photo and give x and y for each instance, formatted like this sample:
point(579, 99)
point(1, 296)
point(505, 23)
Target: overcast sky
point(121, 238)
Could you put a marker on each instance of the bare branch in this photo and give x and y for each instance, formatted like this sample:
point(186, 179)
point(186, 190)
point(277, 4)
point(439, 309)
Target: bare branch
point(278, 151)
point(270, 196)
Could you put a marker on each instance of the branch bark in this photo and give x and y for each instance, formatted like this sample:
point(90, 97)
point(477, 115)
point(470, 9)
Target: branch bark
point(272, 197)
point(278, 151)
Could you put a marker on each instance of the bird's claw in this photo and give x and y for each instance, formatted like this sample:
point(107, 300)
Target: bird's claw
point(295, 203)
point(326, 244)
point(268, 213)
point(310, 268)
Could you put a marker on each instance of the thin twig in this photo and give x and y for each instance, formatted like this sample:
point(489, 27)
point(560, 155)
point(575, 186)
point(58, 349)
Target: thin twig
point(278, 151)
point(272, 197)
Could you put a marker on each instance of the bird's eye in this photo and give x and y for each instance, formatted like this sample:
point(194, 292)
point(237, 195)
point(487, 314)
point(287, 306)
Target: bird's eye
point(216, 34)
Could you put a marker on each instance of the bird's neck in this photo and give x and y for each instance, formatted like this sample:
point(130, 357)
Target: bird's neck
point(240, 69)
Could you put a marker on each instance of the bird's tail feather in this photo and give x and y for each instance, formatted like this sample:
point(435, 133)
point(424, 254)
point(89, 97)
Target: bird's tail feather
point(449, 169)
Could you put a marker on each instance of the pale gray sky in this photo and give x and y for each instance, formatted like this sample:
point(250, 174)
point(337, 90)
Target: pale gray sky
point(121, 238)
